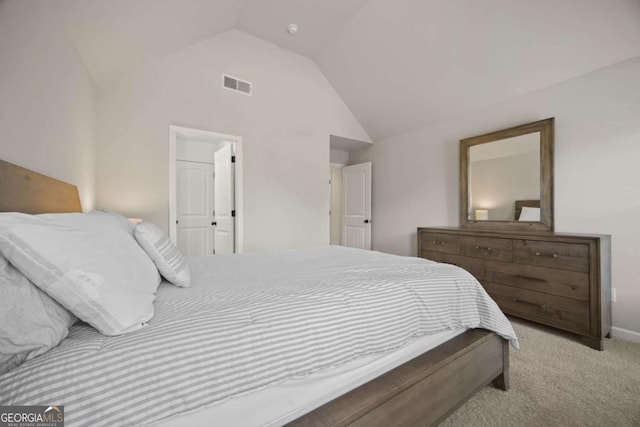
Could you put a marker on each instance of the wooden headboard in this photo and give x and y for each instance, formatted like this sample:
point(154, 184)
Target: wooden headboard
point(522, 204)
point(22, 190)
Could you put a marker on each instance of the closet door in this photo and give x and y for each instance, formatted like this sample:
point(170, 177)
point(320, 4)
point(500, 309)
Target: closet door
point(356, 205)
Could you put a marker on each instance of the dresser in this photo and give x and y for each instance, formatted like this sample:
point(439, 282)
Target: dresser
point(556, 279)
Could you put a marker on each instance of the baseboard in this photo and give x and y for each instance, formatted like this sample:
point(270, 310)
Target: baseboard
point(625, 334)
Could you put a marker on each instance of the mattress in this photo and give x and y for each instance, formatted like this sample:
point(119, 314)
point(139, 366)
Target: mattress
point(258, 326)
point(282, 403)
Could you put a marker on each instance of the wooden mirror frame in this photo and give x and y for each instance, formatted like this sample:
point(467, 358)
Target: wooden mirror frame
point(546, 129)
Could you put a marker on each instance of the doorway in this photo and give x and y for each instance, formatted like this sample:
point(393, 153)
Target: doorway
point(205, 191)
point(350, 193)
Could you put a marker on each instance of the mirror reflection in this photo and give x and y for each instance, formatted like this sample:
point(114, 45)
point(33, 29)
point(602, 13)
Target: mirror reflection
point(504, 179)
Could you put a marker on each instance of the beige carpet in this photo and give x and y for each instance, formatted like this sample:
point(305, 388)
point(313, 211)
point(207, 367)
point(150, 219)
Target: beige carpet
point(557, 381)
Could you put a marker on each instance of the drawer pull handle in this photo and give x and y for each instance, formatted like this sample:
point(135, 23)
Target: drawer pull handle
point(552, 255)
point(542, 306)
point(536, 279)
point(484, 248)
point(435, 243)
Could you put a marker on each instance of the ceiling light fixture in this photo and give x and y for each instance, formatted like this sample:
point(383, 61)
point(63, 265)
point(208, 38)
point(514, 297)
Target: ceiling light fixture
point(292, 29)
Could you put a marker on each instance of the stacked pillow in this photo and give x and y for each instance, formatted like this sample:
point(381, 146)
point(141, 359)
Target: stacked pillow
point(89, 263)
point(31, 322)
point(164, 254)
point(56, 267)
point(529, 214)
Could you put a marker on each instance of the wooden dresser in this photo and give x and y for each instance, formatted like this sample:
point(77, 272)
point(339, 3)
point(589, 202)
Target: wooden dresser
point(560, 280)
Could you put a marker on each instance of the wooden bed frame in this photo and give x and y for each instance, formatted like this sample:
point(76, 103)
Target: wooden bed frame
point(423, 391)
point(22, 190)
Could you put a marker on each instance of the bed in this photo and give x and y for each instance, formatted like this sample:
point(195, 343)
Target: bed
point(373, 366)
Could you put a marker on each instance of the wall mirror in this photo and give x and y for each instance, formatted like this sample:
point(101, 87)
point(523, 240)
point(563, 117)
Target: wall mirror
point(506, 179)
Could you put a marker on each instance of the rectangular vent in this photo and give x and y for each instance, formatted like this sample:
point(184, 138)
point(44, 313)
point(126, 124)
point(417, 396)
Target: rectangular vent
point(236, 85)
point(230, 82)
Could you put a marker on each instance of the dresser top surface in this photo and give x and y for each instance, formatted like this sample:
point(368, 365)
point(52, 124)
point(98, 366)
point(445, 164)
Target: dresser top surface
point(516, 234)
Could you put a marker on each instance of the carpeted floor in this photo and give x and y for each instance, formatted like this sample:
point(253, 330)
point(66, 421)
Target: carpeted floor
point(557, 381)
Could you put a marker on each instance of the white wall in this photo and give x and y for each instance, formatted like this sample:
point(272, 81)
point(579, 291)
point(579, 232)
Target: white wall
point(285, 127)
point(597, 153)
point(362, 155)
point(46, 97)
point(338, 157)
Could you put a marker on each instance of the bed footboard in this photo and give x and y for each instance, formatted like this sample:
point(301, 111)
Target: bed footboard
point(425, 390)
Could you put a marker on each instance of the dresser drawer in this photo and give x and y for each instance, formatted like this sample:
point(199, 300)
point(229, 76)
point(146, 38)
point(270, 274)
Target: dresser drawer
point(475, 266)
point(440, 242)
point(564, 313)
point(563, 256)
point(564, 283)
point(487, 247)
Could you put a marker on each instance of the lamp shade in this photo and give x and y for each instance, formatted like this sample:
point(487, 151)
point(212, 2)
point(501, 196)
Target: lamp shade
point(482, 214)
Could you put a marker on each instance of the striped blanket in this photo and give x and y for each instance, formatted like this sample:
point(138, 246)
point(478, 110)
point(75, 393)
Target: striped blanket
point(248, 322)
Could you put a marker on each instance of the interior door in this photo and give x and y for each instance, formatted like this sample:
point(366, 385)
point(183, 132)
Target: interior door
point(356, 206)
point(224, 201)
point(194, 209)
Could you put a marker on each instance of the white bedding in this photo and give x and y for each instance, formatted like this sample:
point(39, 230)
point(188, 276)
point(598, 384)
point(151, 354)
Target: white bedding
point(251, 323)
point(282, 403)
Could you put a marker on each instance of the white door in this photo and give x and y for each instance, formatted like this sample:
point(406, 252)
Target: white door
point(224, 201)
point(356, 206)
point(194, 207)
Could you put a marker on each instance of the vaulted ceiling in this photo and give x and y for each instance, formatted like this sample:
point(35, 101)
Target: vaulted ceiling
point(398, 64)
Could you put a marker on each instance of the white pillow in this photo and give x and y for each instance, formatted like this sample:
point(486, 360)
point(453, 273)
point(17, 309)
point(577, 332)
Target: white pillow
point(529, 214)
point(118, 219)
point(31, 323)
point(164, 254)
point(89, 263)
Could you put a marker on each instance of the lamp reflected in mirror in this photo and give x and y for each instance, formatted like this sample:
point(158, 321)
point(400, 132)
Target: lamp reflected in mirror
point(482, 214)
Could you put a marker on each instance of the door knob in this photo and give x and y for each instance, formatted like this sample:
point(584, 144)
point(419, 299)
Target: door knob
point(366, 221)
point(214, 223)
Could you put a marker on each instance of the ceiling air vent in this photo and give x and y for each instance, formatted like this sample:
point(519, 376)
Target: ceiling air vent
point(236, 85)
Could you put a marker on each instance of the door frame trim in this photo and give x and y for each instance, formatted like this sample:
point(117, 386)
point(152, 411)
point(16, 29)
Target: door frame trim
point(174, 132)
